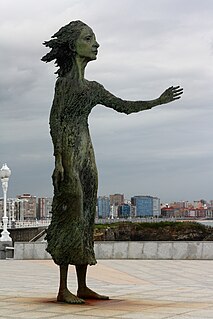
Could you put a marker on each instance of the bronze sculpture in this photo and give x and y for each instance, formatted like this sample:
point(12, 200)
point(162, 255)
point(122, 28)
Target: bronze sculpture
point(70, 234)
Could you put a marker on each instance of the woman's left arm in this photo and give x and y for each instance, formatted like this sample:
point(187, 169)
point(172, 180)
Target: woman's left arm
point(108, 99)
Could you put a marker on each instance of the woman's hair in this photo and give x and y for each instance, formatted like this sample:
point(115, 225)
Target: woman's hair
point(62, 46)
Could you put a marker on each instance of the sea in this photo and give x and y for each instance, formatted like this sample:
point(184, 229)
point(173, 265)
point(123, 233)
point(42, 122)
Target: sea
point(205, 222)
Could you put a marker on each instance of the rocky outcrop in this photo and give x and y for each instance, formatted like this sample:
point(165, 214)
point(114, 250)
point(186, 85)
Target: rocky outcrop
point(161, 231)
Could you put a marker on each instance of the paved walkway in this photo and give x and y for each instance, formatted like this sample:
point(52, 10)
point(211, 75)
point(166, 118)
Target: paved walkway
point(144, 289)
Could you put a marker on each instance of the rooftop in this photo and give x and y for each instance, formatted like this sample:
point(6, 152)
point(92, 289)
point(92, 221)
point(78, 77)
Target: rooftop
point(148, 289)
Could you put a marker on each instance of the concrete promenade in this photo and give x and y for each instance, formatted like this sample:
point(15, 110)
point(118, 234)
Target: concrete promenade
point(147, 289)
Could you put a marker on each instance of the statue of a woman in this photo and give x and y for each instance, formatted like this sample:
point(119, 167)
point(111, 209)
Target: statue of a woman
point(70, 234)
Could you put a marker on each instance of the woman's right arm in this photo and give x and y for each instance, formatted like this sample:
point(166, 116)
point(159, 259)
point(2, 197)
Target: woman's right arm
point(56, 134)
point(108, 99)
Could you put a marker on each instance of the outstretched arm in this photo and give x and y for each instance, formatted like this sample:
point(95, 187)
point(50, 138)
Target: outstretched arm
point(108, 99)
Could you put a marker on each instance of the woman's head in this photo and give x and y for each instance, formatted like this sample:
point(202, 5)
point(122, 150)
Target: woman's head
point(63, 46)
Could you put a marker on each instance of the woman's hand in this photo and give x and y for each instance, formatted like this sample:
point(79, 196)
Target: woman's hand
point(171, 94)
point(58, 175)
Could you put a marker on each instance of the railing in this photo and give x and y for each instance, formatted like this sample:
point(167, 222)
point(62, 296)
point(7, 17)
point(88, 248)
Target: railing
point(46, 223)
point(134, 220)
point(39, 223)
point(26, 224)
point(38, 236)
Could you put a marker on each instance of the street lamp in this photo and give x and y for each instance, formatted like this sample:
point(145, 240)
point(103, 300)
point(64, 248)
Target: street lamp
point(5, 173)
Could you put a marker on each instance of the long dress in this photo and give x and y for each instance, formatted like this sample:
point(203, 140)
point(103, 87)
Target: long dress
point(70, 234)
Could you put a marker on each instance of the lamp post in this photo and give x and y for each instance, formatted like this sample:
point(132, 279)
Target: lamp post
point(5, 173)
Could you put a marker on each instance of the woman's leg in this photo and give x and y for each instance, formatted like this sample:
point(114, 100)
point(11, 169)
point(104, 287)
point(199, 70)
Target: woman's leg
point(64, 295)
point(83, 291)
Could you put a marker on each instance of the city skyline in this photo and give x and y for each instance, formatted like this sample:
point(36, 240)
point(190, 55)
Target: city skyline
point(126, 199)
point(28, 208)
point(167, 151)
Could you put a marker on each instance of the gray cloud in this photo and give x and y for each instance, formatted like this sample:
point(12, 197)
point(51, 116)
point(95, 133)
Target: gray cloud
point(146, 46)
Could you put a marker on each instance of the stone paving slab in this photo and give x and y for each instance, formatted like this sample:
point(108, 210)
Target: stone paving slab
point(148, 289)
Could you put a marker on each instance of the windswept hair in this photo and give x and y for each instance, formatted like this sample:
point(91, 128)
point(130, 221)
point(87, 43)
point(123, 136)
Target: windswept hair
point(62, 46)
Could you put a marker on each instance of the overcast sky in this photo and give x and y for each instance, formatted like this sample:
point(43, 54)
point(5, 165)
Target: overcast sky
point(145, 47)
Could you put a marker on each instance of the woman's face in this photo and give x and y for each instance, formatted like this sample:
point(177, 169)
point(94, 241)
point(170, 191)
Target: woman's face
point(86, 45)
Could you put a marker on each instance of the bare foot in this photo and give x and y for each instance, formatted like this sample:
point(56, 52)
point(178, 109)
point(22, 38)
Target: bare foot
point(66, 296)
point(87, 293)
